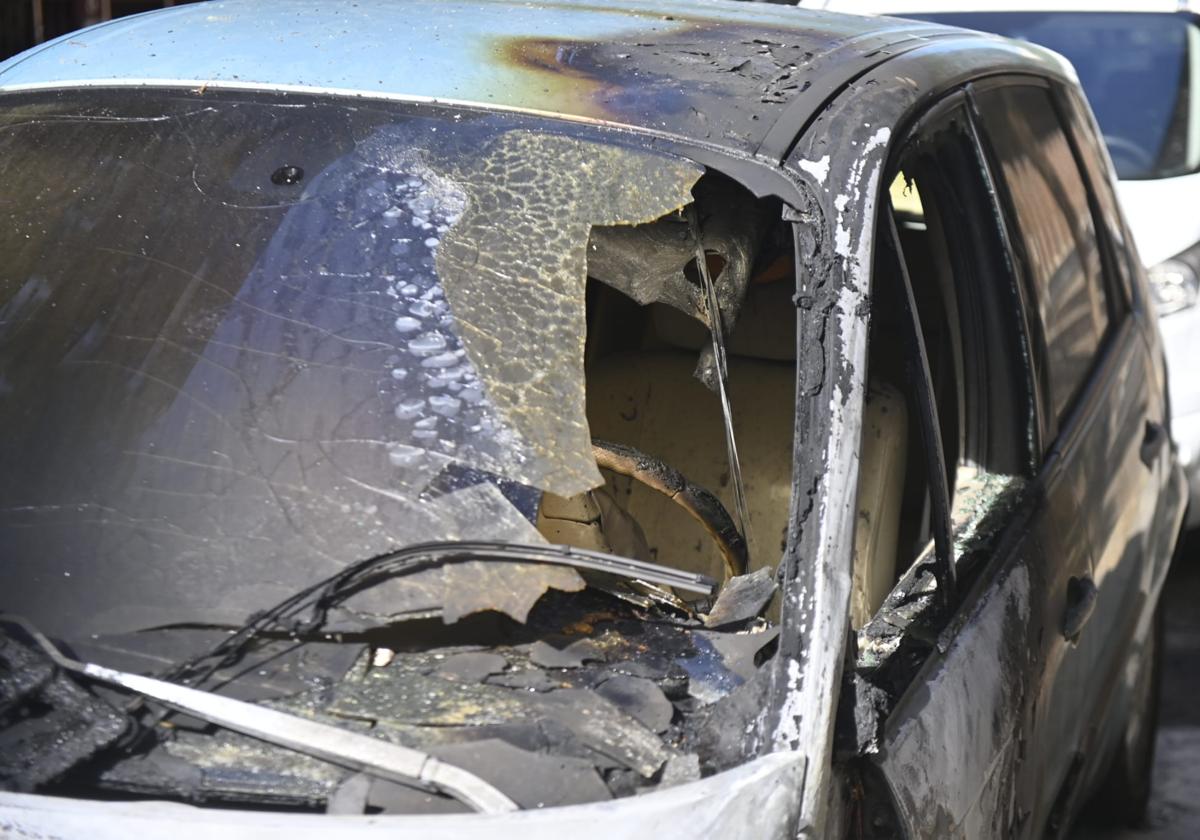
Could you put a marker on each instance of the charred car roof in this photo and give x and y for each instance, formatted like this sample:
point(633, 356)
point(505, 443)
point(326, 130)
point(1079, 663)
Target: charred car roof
point(720, 73)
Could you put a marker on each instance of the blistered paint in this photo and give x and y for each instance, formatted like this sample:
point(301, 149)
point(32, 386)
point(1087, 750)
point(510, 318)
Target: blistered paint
point(844, 226)
point(722, 72)
point(819, 169)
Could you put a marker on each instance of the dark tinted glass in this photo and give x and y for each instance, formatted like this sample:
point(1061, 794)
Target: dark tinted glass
point(1108, 209)
point(1055, 233)
point(1134, 67)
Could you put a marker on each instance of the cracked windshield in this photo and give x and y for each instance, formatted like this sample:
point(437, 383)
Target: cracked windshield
point(275, 369)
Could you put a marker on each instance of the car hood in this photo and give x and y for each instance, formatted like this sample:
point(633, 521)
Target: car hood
point(756, 801)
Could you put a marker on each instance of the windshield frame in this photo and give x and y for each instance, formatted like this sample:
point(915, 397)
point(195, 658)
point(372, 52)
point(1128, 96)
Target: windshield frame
point(815, 553)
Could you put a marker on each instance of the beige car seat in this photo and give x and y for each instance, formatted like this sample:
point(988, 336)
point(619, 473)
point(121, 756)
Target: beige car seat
point(882, 464)
point(649, 399)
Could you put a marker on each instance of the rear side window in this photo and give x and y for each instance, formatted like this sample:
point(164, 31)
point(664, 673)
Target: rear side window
point(1055, 235)
point(1092, 158)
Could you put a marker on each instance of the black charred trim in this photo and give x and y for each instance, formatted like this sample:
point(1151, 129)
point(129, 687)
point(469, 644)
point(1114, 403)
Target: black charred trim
point(813, 98)
point(909, 627)
point(816, 267)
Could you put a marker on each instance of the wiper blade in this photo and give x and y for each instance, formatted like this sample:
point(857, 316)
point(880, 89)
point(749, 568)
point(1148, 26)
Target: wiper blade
point(330, 743)
point(578, 558)
point(305, 611)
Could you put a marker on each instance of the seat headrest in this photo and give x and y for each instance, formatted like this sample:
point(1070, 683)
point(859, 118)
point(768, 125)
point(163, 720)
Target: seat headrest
point(765, 329)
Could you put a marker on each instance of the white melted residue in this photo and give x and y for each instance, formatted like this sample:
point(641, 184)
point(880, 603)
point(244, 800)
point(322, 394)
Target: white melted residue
point(842, 230)
point(788, 732)
point(819, 169)
point(841, 234)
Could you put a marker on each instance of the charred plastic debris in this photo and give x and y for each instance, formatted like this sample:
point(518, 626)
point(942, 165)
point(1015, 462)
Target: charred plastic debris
point(891, 647)
point(596, 695)
point(519, 674)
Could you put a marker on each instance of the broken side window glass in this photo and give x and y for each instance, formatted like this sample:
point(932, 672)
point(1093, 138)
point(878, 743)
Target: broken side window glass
point(953, 252)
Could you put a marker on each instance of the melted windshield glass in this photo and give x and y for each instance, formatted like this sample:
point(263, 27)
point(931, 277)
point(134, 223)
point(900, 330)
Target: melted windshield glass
point(245, 342)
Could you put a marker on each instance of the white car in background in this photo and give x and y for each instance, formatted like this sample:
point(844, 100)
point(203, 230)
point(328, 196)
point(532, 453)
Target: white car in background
point(1139, 63)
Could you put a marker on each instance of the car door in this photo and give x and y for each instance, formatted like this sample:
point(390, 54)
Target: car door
point(1137, 507)
point(1105, 418)
point(967, 688)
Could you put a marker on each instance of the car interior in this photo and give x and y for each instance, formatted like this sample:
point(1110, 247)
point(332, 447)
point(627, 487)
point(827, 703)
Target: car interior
point(645, 394)
point(935, 189)
point(648, 399)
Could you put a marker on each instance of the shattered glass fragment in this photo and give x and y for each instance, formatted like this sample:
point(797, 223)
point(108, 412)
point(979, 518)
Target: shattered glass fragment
point(549, 657)
point(510, 588)
point(514, 267)
point(680, 769)
point(541, 781)
point(640, 698)
point(455, 590)
point(472, 666)
point(533, 679)
point(606, 729)
point(742, 598)
point(739, 650)
point(709, 679)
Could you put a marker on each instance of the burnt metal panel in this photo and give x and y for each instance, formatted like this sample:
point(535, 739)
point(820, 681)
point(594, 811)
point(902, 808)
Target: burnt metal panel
point(718, 72)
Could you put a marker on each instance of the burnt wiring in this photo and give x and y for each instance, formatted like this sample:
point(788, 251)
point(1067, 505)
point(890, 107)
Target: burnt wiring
point(717, 329)
point(304, 612)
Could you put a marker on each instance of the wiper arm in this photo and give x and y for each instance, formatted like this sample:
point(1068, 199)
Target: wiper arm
point(330, 743)
point(305, 611)
point(579, 558)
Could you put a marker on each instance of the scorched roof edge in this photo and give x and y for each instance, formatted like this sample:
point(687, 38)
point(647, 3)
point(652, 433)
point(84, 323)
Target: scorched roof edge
point(713, 71)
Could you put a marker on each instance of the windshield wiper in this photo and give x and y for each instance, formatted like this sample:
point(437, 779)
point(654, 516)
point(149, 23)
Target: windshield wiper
point(320, 740)
point(305, 611)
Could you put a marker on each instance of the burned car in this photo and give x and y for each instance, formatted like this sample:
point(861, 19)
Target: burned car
point(625, 419)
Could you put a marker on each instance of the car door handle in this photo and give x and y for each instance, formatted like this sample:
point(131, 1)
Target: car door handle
point(1081, 602)
point(1152, 442)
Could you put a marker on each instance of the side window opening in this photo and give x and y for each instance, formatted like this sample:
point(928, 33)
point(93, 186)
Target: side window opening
point(897, 522)
point(949, 238)
point(651, 403)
